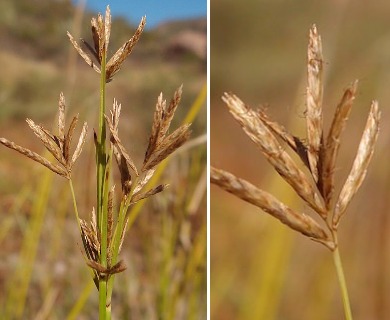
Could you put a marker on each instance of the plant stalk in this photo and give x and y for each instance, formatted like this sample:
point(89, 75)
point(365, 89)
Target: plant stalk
point(75, 204)
point(102, 184)
point(341, 278)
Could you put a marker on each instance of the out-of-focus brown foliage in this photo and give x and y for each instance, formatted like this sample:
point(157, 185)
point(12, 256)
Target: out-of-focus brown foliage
point(258, 52)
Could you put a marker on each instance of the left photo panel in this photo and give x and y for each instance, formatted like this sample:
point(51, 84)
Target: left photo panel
point(103, 160)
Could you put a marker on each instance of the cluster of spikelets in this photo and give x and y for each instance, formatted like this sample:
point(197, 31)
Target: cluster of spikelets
point(57, 145)
point(101, 30)
point(318, 154)
point(133, 181)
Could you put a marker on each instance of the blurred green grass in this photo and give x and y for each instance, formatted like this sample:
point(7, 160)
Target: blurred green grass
point(258, 51)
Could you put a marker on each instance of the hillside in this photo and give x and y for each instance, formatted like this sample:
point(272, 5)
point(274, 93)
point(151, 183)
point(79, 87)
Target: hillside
point(32, 41)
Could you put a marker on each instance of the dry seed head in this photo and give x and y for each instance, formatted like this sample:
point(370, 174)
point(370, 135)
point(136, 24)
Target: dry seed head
point(58, 146)
point(160, 146)
point(332, 143)
point(158, 116)
point(258, 132)
point(268, 203)
point(101, 30)
point(171, 143)
point(115, 63)
point(314, 100)
point(360, 164)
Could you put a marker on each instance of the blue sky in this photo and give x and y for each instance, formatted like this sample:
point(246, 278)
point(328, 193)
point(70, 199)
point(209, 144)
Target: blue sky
point(156, 11)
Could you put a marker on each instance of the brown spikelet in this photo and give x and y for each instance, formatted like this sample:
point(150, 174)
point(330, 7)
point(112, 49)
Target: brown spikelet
point(258, 132)
point(314, 100)
point(268, 203)
point(360, 164)
point(107, 26)
point(58, 146)
point(171, 143)
point(115, 63)
point(47, 141)
point(84, 55)
point(110, 216)
point(61, 117)
point(124, 171)
point(69, 137)
point(294, 142)
point(118, 144)
point(158, 116)
point(96, 39)
point(332, 143)
point(160, 146)
point(115, 114)
point(80, 144)
point(36, 157)
point(90, 237)
point(168, 114)
point(105, 272)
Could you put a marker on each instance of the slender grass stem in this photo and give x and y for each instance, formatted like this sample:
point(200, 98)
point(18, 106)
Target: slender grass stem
point(101, 185)
point(342, 282)
point(75, 204)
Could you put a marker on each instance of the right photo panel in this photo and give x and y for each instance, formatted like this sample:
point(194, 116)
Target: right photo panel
point(299, 177)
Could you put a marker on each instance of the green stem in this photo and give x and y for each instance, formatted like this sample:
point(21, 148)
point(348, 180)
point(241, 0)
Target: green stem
point(119, 229)
point(102, 186)
point(342, 282)
point(76, 211)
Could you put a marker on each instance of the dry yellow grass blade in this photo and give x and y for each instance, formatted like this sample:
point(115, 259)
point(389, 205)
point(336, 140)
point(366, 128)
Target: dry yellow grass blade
point(360, 164)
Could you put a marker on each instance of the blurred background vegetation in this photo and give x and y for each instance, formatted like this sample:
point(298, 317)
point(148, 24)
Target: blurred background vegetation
point(259, 268)
point(42, 272)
